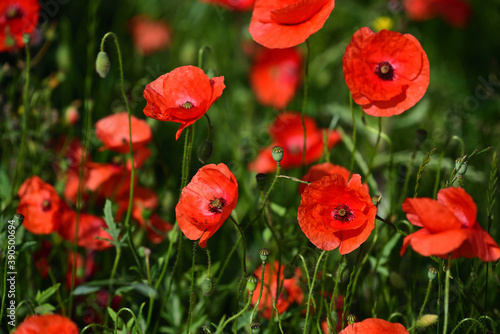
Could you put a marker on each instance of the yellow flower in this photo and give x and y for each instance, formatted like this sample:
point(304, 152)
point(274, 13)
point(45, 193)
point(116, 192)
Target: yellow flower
point(383, 22)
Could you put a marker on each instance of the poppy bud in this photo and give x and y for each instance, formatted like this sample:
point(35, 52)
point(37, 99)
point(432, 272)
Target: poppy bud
point(460, 166)
point(264, 254)
point(255, 327)
point(261, 180)
point(277, 152)
point(18, 219)
point(205, 150)
point(102, 64)
point(252, 281)
point(432, 273)
point(289, 271)
point(426, 320)
point(207, 287)
point(351, 318)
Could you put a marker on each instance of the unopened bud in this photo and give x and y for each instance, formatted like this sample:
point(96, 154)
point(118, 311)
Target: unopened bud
point(26, 38)
point(205, 150)
point(18, 219)
point(264, 254)
point(277, 152)
point(207, 287)
point(432, 273)
point(460, 167)
point(426, 320)
point(102, 64)
point(255, 327)
point(252, 281)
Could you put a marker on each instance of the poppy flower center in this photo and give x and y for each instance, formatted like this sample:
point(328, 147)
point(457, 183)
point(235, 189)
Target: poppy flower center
point(385, 71)
point(216, 205)
point(13, 13)
point(187, 105)
point(342, 213)
point(46, 205)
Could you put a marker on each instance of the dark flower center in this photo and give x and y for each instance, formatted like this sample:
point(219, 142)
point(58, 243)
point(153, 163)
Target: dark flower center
point(187, 105)
point(385, 71)
point(342, 213)
point(13, 13)
point(46, 205)
point(216, 205)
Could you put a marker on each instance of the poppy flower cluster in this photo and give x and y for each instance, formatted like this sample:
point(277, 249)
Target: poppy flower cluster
point(238, 5)
point(149, 36)
point(275, 76)
point(183, 95)
point(289, 294)
point(448, 226)
point(335, 213)
point(47, 323)
point(279, 24)
point(386, 72)
point(287, 132)
point(17, 17)
point(206, 202)
point(374, 326)
point(456, 13)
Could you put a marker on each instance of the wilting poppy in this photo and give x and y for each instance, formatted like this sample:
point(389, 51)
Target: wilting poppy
point(287, 132)
point(40, 205)
point(113, 131)
point(47, 323)
point(239, 5)
point(374, 326)
point(279, 24)
point(275, 76)
point(149, 36)
point(456, 12)
point(183, 95)
point(290, 293)
point(335, 213)
point(449, 226)
point(386, 72)
point(206, 202)
point(90, 230)
point(316, 172)
point(17, 17)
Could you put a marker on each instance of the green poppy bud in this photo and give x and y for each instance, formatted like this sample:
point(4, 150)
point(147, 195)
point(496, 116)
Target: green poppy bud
point(205, 150)
point(432, 273)
point(26, 38)
point(102, 64)
point(252, 281)
point(18, 219)
point(264, 254)
point(207, 287)
point(277, 152)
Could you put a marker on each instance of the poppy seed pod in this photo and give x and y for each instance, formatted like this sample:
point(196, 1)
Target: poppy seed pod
point(102, 64)
point(255, 327)
point(432, 273)
point(277, 152)
point(252, 281)
point(207, 287)
point(264, 254)
point(205, 150)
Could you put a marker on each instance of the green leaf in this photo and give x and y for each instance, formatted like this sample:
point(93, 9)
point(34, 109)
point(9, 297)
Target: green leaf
point(112, 314)
point(41, 297)
point(113, 229)
point(82, 290)
point(44, 308)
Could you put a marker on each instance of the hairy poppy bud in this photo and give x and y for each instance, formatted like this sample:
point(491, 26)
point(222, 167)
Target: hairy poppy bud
point(261, 180)
point(207, 287)
point(432, 273)
point(205, 150)
point(426, 320)
point(289, 271)
point(252, 281)
point(277, 152)
point(18, 219)
point(264, 254)
point(102, 64)
point(255, 327)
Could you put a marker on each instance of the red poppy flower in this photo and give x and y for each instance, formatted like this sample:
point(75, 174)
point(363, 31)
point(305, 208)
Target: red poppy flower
point(17, 17)
point(183, 96)
point(149, 36)
point(113, 131)
point(47, 323)
point(275, 76)
point(386, 72)
point(456, 12)
point(90, 228)
point(290, 293)
point(316, 172)
point(279, 24)
point(239, 5)
point(449, 226)
point(374, 326)
point(206, 202)
point(40, 205)
point(335, 213)
point(287, 132)
point(140, 156)
point(108, 180)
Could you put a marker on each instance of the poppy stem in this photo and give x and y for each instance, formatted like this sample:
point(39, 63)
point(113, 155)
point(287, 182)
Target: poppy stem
point(429, 285)
point(447, 295)
point(200, 55)
point(191, 293)
point(311, 287)
point(335, 296)
point(353, 157)
point(304, 102)
point(260, 292)
point(294, 179)
point(219, 329)
point(394, 227)
point(244, 249)
point(375, 148)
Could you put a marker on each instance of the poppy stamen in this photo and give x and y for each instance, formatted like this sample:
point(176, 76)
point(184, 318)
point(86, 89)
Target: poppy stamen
point(187, 105)
point(342, 213)
point(13, 13)
point(385, 71)
point(46, 205)
point(216, 205)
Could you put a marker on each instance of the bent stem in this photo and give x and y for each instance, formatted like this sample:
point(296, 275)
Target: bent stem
point(304, 102)
point(447, 295)
point(311, 287)
point(429, 285)
point(219, 330)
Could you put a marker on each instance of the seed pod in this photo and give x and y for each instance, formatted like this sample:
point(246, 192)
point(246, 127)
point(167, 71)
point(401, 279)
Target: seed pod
point(277, 152)
point(264, 254)
point(432, 273)
point(252, 281)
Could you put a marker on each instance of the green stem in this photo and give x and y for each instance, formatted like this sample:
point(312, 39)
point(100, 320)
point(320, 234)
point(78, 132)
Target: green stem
point(333, 301)
point(375, 148)
point(428, 292)
point(260, 291)
point(219, 330)
point(244, 249)
point(111, 280)
point(304, 102)
point(447, 295)
point(353, 157)
point(294, 179)
point(311, 290)
point(191, 293)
